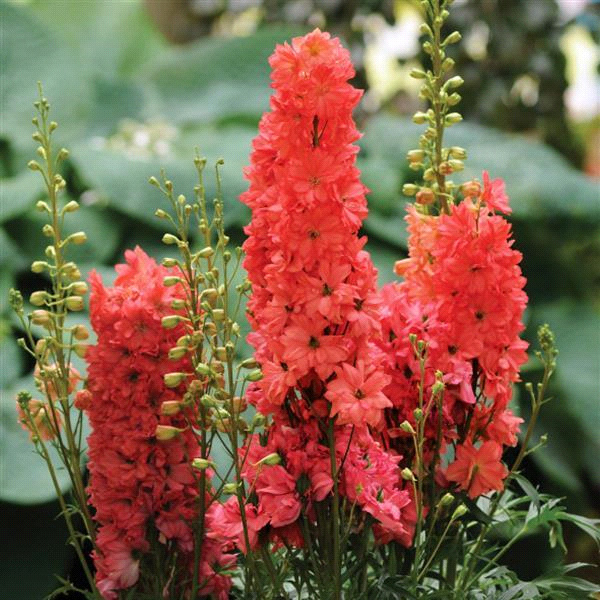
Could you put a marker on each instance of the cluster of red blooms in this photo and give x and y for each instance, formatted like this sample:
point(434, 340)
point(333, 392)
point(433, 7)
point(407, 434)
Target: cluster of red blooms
point(144, 491)
point(463, 295)
point(314, 310)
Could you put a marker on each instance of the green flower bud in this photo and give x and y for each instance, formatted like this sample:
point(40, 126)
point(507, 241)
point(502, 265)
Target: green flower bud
point(38, 298)
point(74, 303)
point(459, 511)
point(202, 463)
point(177, 352)
point(171, 321)
point(409, 189)
point(38, 266)
point(164, 433)
point(255, 375)
point(407, 427)
point(407, 474)
point(77, 238)
point(170, 239)
point(170, 408)
point(446, 500)
point(173, 380)
point(70, 206)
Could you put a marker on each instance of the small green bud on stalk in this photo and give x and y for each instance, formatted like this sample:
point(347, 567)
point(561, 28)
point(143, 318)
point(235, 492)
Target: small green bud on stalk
point(206, 252)
point(258, 420)
point(457, 152)
point(15, 299)
point(164, 433)
point(208, 401)
point(415, 155)
point(407, 474)
point(210, 295)
point(41, 206)
point(178, 352)
point(218, 314)
point(184, 340)
point(453, 118)
point(63, 154)
point(74, 303)
point(77, 238)
point(407, 427)
point(446, 500)
point(453, 38)
point(456, 165)
point(220, 353)
point(418, 414)
point(255, 375)
point(230, 488)
point(202, 463)
point(70, 207)
point(269, 460)
point(178, 304)
point(171, 321)
point(171, 280)
point(50, 252)
point(153, 181)
point(173, 380)
point(417, 74)
point(249, 363)
point(425, 196)
point(169, 262)
point(420, 118)
point(170, 408)
point(33, 165)
point(48, 230)
point(459, 511)
point(453, 83)
point(80, 332)
point(38, 298)
point(80, 288)
point(453, 99)
point(409, 189)
point(203, 369)
point(170, 239)
point(160, 213)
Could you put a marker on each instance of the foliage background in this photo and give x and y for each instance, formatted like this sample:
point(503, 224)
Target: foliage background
point(135, 86)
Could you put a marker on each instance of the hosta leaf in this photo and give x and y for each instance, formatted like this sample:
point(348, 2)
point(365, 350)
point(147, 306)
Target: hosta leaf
point(30, 53)
point(214, 77)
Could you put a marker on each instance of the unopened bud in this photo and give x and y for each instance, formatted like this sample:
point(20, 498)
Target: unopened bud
point(471, 189)
point(459, 511)
point(418, 414)
point(171, 280)
point(171, 321)
point(230, 488)
point(70, 206)
point(80, 350)
point(48, 230)
point(407, 427)
point(38, 266)
point(41, 206)
point(453, 82)
point(269, 459)
point(74, 302)
point(38, 298)
point(160, 213)
point(446, 500)
point(220, 353)
point(164, 433)
point(206, 252)
point(153, 181)
point(409, 189)
point(40, 317)
point(407, 474)
point(218, 314)
point(203, 369)
point(417, 74)
point(453, 38)
point(452, 118)
point(258, 420)
point(80, 288)
point(80, 332)
point(425, 196)
point(249, 363)
point(415, 155)
point(177, 352)
point(78, 238)
point(174, 379)
point(202, 463)
point(255, 375)
point(419, 118)
point(170, 239)
point(170, 408)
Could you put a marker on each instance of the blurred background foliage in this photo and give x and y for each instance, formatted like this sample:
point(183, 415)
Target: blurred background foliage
point(135, 86)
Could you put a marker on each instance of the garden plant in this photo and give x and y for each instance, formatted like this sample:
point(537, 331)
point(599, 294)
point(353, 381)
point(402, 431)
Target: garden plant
point(368, 449)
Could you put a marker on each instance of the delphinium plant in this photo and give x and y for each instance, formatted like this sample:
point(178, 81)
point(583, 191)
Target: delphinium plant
point(373, 466)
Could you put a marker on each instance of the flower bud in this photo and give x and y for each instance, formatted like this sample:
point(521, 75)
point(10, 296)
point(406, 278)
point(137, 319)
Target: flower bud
point(230, 488)
point(170, 408)
point(171, 280)
point(178, 352)
point(38, 298)
point(41, 317)
point(269, 460)
point(160, 213)
point(249, 363)
point(164, 433)
point(420, 118)
point(169, 262)
point(255, 375)
point(38, 266)
point(34, 165)
point(74, 303)
point(418, 414)
point(407, 427)
point(453, 99)
point(453, 83)
point(41, 206)
point(409, 189)
point(220, 353)
point(174, 379)
point(171, 321)
point(470, 189)
point(202, 463)
point(80, 350)
point(425, 196)
point(415, 155)
point(48, 230)
point(453, 38)
point(446, 500)
point(80, 288)
point(153, 181)
point(206, 252)
point(70, 206)
point(170, 239)
point(407, 474)
point(218, 314)
point(459, 511)
point(178, 304)
point(417, 74)
point(258, 420)
point(203, 369)
point(77, 238)
point(452, 118)
point(80, 332)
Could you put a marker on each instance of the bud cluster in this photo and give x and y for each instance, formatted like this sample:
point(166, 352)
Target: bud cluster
point(435, 161)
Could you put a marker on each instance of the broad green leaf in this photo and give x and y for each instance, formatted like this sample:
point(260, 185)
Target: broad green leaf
point(19, 194)
point(214, 78)
point(101, 227)
point(24, 478)
point(538, 180)
point(112, 38)
point(31, 53)
point(121, 177)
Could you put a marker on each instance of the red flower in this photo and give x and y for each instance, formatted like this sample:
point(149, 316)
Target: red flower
point(478, 470)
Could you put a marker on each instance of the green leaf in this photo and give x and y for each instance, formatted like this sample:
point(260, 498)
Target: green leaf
point(214, 77)
point(529, 490)
point(24, 478)
point(121, 178)
point(30, 53)
point(19, 194)
point(538, 180)
point(102, 230)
